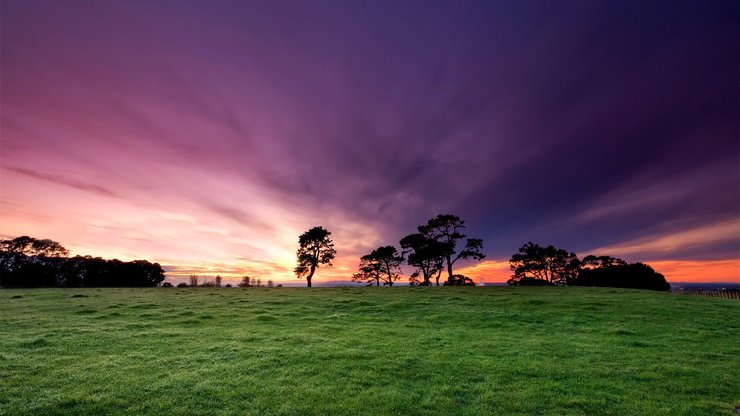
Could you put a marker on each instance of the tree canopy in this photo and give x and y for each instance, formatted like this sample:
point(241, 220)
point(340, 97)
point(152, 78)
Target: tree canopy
point(447, 230)
point(30, 246)
point(549, 264)
point(426, 255)
point(315, 248)
point(382, 265)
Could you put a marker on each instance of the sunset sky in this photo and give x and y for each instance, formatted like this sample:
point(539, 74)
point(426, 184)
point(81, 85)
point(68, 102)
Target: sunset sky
point(207, 135)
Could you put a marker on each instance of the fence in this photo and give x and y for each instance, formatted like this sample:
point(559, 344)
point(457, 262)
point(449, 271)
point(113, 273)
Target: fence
point(718, 293)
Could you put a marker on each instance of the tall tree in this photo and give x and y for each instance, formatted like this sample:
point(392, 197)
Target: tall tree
point(426, 255)
point(534, 264)
point(447, 230)
point(382, 264)
point(314, 248)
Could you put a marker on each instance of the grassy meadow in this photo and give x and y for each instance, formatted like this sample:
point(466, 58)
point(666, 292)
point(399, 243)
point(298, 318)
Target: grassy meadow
point(365, 351)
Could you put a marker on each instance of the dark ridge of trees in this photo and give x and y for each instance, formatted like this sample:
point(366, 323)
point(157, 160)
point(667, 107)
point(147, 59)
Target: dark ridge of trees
point(634, 276)
point(535, 265)
point(382, 265)
point(28, 262)
point(314, 249)
point(436, 245)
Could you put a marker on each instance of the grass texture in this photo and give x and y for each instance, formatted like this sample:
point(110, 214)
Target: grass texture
point(367, 351)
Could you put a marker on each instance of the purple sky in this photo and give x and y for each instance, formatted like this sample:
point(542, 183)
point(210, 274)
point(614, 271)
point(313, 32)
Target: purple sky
point(207, 135)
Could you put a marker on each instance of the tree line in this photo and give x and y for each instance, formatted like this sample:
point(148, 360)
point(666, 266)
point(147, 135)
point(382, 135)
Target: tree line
point(434, 248)
point(197, 281)
point(441, 242)
point(30, 262)
point(537, 265)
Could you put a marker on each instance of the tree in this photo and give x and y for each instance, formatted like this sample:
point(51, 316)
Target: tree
point(218, 280)
point(259, 282)
point(314, 249)
point(546, 264)
point(270, 283)
point(246, 282)
point(447, 230)
point(426, 255)
point(193, 280)
point(382, 264)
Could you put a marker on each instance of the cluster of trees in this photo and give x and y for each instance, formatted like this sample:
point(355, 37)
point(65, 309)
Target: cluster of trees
point(196, 281)
point(434, 248)
point(252, 282)
point(30, 262)
point(537, 265)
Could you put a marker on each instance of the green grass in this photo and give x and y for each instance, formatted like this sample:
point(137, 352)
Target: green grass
point(530, 351)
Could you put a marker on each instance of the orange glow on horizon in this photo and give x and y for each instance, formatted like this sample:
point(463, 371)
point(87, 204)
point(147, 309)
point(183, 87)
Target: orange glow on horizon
point(698, 271)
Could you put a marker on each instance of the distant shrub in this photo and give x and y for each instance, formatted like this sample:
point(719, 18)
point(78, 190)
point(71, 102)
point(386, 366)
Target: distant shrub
point(182, 284)
point(166, 284)
point(528, 281)
point(459, 280)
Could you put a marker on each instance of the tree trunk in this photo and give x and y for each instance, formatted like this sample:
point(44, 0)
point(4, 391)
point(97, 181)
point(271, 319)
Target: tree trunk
point(439, 274)
point(310, 275)
point(449, 271)
point(377, 281)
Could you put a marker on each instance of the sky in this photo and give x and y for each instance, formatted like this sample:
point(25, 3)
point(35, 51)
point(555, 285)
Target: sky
point(207, 135)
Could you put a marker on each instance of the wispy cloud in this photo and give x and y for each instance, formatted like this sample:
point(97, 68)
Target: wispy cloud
point(667, 244)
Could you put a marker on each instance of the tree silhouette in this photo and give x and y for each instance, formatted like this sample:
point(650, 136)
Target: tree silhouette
point(447, 230)
point(426, 255)
point(600, 262)
point(547, 265)
point(30, 246)
point(314, 248)
point(634, 275)
point(382, 264)
point(460, 280)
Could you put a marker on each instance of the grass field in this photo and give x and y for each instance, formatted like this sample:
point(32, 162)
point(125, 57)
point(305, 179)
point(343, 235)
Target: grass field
point(398, 351)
